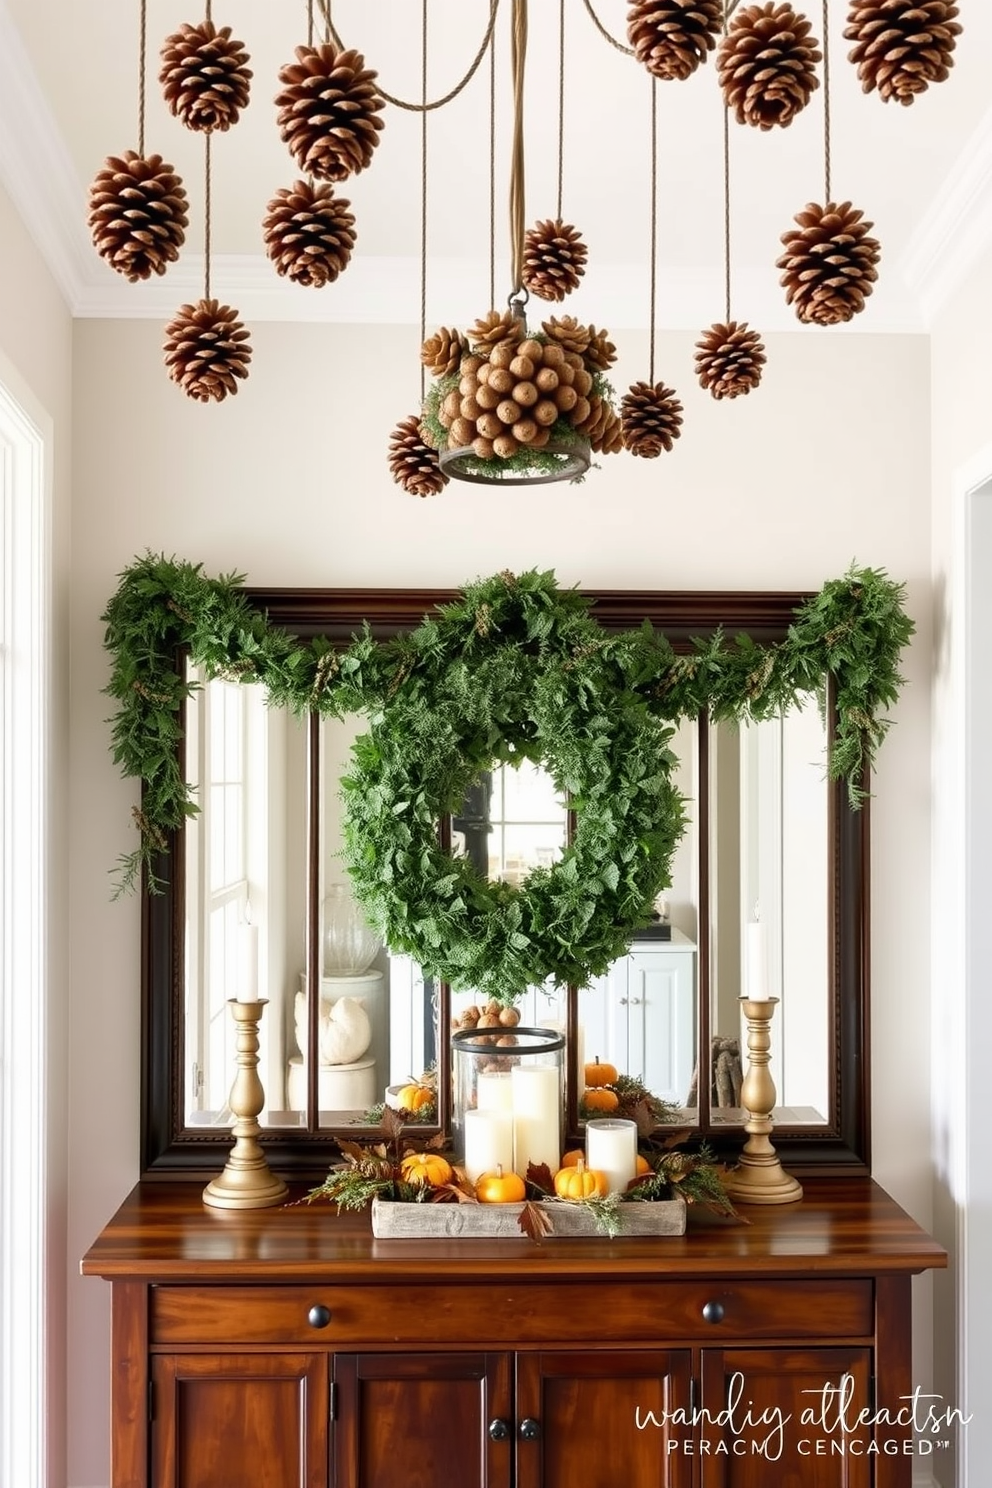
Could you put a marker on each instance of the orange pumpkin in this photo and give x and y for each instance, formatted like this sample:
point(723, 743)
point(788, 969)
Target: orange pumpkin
point(643, 1167)
point(414, 1097)
point(576, 1155)
point(426, 1168)
point(600, 1098)
point(600, 1074)
point(581, 1182)
point(500, 1188)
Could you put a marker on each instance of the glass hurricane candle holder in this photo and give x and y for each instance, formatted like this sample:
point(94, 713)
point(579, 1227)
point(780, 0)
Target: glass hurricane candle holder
point(506, 1097)
point(350, 946)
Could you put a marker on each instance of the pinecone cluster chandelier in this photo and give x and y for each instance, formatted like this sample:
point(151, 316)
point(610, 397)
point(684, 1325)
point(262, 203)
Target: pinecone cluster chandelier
point(507, 399)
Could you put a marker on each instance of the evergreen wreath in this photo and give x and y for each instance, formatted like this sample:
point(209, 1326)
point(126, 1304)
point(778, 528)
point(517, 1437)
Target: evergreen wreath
point(514, 669)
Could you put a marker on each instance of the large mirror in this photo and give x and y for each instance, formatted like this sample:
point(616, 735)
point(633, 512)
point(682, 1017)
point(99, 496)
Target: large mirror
point(257, 900)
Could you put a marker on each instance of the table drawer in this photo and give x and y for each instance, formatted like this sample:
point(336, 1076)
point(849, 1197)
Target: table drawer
point(486, 1315)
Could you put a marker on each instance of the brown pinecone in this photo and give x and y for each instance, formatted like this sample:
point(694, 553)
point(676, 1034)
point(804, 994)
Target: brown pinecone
point(442, 353)
point(329, 111)
point(413, 463)
point(137, 214)
point(309, 234)
point(767, 63)
point(600, 354)
point(205, 76)
point(495, 329)
point(672, 37)
point(554, 260)
point(608, 438)
point(650, 419)
point(729, 359)
point(902, 46)
point(568, 333)
point(207, 350)
point(829, 264)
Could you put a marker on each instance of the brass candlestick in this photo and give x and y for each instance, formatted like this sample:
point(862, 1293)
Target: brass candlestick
point(246, 1182)
point(759, 1177)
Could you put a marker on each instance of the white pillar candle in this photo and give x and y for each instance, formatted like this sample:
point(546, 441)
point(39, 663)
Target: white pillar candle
point(755, 963)
point(247, 969)
point(536, 1116)
point(494, 1091)
point(611, 1148)
point(488, 1142)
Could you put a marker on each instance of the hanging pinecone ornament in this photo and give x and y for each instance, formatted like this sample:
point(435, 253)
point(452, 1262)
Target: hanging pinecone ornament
point(413, 463)
point(650, 419)
point(495, 329)
point(829, 264)
point(767, 65)
point(329, 111)
point(205, 76)
point(309, 234)
point(672, 37)
point(568, 333)
point(729, 359)
point(902, 46)
point(442, 353)
point(600, 354)
point(207, 350)
point(138, 214)
point(554, 260)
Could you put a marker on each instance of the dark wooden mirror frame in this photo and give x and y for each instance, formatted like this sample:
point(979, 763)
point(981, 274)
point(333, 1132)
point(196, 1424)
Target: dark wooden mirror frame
point(170, 1148)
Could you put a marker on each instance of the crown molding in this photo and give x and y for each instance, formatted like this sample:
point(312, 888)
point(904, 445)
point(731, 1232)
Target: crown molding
point(956, 229)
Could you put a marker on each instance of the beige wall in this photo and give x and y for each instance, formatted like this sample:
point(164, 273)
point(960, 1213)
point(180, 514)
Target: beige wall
point(827, 463)
point(35, 366)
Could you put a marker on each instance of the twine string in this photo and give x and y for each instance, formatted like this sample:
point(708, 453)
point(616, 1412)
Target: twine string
point(492, 170)
point(561, 100)
point(309, 23)
point(826, 101)
point(209, 11)
point(518, 60)
point(726, 213)
point(423, 191)
point(654, 222)
point(142, 44)
point(627, 51)
point(206, 215)
point(435, 103)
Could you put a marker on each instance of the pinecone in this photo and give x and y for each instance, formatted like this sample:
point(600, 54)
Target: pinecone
point(600, 354)
point(495, 329)
point(442, 353)
point(309, 234)
point(608, 438)
point(554, 260)
point(205, 76)
point(672, 37)
point(568, 333)
point(137, 214)
point(829, 264)
point(650, 419)
point(767, 63)
point(902, 46)
point(329, 111)
point(729, 359)
point(207, 350)
point(413, 463)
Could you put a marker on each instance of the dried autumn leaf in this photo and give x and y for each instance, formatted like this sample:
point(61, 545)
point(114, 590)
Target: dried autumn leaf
point(533, 1220)
point(539, 1176)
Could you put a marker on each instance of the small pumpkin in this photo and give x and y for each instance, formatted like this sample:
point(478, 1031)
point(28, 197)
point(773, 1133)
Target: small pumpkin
point(414, 1097)
point(427, 1168)
point(499, 1187)
point(581, 1182)
point(600, 1098)
point(599, 1073)
point(643, 1167)
point(576, 1155)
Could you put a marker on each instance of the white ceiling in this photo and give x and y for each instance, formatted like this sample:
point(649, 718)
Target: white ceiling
point(68, 98)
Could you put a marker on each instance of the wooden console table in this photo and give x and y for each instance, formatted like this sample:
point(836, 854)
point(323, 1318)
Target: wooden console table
point(287, 1348)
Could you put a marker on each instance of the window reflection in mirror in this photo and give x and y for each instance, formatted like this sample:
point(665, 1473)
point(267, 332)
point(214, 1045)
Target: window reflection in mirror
point(769, 855)
point(244, 864)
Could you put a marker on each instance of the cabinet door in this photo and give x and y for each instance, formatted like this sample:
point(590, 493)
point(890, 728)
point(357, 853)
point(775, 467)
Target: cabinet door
point(422, 1419)
point(785, 1416)
point(254, 1420)
point(603, 1419)
point(652, 1015)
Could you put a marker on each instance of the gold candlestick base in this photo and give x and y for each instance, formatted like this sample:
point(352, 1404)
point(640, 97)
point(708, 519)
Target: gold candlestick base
point(759, 1178)
point(246, 1182)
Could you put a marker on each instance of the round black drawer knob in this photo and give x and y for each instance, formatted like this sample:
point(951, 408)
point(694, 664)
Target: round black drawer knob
point(713, 1312)
point(319, 1316)
point(499, 1430)
point(530, 1429)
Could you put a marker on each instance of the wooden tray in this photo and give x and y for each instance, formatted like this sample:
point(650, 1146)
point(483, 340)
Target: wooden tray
point(393, 1221)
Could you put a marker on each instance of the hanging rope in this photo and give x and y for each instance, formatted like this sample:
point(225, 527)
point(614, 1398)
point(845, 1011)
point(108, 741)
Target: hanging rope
point(209, 16)
point(142, 40)
point(627, 51)
point(518, 60)
point(826, 101)
point(561, 99)
point(206, 215)
point(654, 220)
point(726, 212)
point(436, 103)
point(309, 23)
point(492, 170)
point(423, 192)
